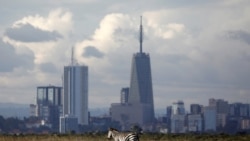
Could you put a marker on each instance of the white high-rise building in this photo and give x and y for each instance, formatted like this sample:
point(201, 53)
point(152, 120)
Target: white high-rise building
point(75, 97)
point(75, 83)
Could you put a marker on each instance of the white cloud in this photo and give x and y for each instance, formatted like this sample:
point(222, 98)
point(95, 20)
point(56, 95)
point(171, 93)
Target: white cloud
point(28, 33)
point(48, 60)
point(109, 39)
point(59, 20)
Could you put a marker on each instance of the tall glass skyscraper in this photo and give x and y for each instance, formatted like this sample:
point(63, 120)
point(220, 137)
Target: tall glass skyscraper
point(139, 109)
point(75, 84)
point(141, 82)
point(141, 91)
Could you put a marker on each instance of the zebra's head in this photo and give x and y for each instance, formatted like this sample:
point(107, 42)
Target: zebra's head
point(111, 132)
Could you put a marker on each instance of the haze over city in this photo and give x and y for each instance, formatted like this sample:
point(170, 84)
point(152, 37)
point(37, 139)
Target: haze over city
point(198, 49)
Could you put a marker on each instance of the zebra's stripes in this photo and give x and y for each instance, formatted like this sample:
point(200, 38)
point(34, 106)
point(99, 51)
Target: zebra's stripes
point(122, 136)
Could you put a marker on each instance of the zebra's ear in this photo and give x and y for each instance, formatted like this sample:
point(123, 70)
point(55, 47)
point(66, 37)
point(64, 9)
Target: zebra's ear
point(111, 129)
point(115, 129)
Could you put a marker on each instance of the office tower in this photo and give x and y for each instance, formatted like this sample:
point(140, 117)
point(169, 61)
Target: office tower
point(178, 124)
point(49, 105)
point(124, 95)
point(195, 109)
point(210, 119)
point(178, 118)
point(195, 119)
point(141, 91)
point(140, 106)
point(178, 108)
point(222, 110)
point(222, 106)
point(33, 110)
point(75, 84)
point(212, 102)
point(239, 110)
point(169, 111)
point(245, 124)
point(195, 123)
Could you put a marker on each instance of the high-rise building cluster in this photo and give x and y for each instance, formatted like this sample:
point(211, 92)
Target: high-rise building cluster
point(218, 116)
point(64, 108)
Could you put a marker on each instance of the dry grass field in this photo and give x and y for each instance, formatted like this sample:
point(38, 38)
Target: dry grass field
point(145, 137)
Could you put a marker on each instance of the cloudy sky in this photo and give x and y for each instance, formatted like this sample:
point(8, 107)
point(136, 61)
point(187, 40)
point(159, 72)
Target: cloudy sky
point(199, 49)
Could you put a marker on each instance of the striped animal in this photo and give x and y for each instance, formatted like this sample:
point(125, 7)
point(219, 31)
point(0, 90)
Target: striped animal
point(122, 136)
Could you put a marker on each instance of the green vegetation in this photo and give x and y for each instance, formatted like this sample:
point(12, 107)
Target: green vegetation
point(144, 137)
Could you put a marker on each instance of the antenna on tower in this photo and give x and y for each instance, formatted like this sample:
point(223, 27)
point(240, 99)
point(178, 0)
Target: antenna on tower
point(72, 56)
point(141, 35)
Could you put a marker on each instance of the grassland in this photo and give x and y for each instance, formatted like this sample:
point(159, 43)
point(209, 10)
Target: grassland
point(145, 137)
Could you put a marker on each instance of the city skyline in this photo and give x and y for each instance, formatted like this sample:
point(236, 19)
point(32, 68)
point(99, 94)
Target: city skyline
point(199, 50)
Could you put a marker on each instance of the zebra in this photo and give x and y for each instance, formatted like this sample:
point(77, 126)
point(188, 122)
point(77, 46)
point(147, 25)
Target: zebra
point(122, 136)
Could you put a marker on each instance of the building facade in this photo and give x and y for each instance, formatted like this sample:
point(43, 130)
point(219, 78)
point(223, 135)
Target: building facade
point(239, 110)
point(124, 95)
point(178, 108)
point(178, 124)
point(128, 114)
point(68, 124)
point(178, 118)
point(210, 119)
point(75, 84)
point(222, 110)
point(49, 105)
point(196, 109)
point(141, 91)
point(195, 123)
point(33, 110)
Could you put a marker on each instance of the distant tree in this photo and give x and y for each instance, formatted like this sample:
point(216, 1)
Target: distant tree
point(13, 123)
point(136, 128)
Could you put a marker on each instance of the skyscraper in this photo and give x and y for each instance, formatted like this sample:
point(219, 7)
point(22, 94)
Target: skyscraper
point(210, 119)
point(139, 108)
point(75, 84)
point(222, 106)
point(222, 110)
point(178, 108)
point(195, 109)
point(141, 91)
point(178, 117)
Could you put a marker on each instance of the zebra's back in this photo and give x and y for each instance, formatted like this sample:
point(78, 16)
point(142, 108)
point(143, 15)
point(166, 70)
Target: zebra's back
point(132, 137)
